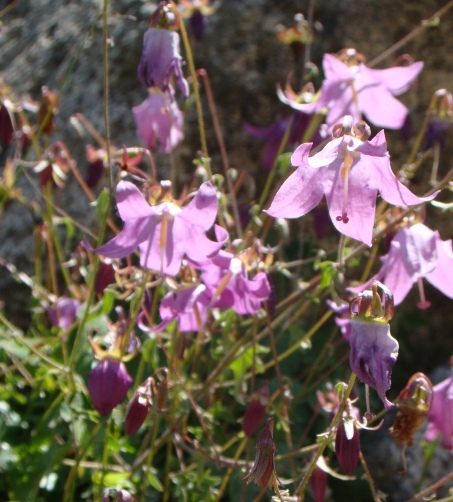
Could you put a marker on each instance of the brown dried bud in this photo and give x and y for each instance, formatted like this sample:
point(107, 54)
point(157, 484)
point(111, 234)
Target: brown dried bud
point(263, 470)
point(414, 403)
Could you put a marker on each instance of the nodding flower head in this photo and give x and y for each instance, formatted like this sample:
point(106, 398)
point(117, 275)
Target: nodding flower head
point(373, 350)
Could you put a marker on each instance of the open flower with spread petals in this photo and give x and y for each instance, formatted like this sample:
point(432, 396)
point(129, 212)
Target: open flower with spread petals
point(351, 88)
point(440, 418)
point(373, 349)
point(226, 277)
point(350, 173)
point(416, 252)
point(159, 121)
point(165, 233)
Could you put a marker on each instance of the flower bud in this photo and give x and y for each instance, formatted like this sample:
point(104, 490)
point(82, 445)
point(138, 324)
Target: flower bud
point(138, 408)
point(318, 484)
point(255, 411)
point(108, 384)
point(347, 446)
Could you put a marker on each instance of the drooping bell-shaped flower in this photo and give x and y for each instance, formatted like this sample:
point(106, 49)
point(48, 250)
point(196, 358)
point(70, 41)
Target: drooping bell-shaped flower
point(161, 57)
point(159, 121)
point(164, 233)
point(373, 350)
point(349, 172)
point(440, 418)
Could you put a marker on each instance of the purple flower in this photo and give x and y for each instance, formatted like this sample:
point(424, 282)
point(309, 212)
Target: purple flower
point(159, 122)
point(138, 408)
point(350, 173)
point(160, 60)
point(440, 418)
point(108, 384)
point(416, 252)
point(353, 89)
point(373, 350)
point(226, 277)
point(342, 318)
point(189, 306)
point(63, 313)
point(165, 233)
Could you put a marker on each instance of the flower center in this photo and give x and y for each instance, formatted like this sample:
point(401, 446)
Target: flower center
point(344, 174)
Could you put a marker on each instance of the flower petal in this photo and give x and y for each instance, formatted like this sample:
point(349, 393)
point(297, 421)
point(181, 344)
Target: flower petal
point(397, 79)
point(202, 209)
point(442, 276)
point(381, 108)
point(130, 202)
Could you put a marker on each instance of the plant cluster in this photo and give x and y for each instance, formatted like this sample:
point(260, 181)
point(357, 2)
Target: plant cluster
point(179, 348)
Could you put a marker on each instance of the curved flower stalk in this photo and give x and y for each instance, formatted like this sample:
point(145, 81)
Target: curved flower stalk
point(159, 121)
point(416, 253)
point(351, 88)
point(350, 173)
point(373, 349)
point(164, 233)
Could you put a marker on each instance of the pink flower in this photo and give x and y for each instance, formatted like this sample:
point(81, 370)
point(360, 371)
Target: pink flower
point(350, 173)
point(351, 88)
point(159, 122)
point(63, 312)
point(227, 280)
point(165, 233)
point(440, 417)
point(416, 252)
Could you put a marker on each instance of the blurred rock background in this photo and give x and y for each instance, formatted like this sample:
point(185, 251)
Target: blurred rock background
point(58, 44)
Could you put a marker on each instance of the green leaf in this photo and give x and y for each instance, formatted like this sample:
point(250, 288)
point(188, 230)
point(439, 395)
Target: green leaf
point(244, 362)
point(328, 271)
point(153, 480)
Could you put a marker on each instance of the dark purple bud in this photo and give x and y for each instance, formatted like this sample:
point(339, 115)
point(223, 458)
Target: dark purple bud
point(255, 411)
point(138, 408)
point(318, 484)
point(104, 277)
point(197, 24)
point(95, 166)
point(347, 446)
point(6, 127)
point(108, 384)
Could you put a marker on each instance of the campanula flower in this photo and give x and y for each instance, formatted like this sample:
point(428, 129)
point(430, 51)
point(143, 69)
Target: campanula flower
point(226, 277)
point(440, 418)
point(416, 252)
point(138, 408)
point(163, 233)
point(197, 11)
point(373, 349)
point(159, 121)
point(350, 173)
point(63, 312)
point(347, 439)
point(108, 384)
point(351, 88)
point(256, 409)
point(160, 60)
